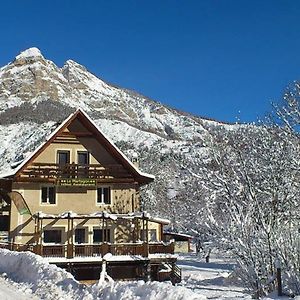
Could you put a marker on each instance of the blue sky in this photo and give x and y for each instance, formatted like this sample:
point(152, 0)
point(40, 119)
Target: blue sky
point(219, 59)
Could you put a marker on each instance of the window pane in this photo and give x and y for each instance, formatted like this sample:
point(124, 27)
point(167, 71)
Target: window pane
point(80, 235)
point(44, 195)
point(107, 235)
point(63, 157)
point(153, 237)
point(83, 158)
point(99, 195)
point(52, 236)
point(106, 195)
point(97, 236)
point(51, 195)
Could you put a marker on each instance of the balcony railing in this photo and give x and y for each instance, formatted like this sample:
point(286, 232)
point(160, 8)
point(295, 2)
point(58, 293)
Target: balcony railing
point(93, 250)
point(92, 171)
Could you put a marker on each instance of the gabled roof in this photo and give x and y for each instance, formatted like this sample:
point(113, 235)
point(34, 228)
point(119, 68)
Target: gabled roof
point(141, 177)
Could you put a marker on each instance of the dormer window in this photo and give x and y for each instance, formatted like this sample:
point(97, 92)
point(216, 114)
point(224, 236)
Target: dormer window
point(103, 196)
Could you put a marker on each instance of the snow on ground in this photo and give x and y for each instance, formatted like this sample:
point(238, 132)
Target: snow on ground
point(210, 279)
point(28, 274)
point(24, 276)
point(12, 291)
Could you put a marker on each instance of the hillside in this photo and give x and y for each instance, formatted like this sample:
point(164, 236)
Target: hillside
point(36, 94)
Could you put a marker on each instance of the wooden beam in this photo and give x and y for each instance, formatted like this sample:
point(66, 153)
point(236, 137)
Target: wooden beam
point(77, 134)
point(35, 179)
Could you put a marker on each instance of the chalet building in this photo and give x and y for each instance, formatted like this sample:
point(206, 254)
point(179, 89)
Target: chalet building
point(182, 241)
point(76, 201)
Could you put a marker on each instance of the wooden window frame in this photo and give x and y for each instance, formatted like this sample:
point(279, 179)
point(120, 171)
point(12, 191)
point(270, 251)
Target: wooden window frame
point(102, 202)
point(88, 156)
point(63, 151)
point(48, 199)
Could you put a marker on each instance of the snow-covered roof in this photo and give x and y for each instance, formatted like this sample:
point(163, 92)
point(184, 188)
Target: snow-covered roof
point(57, 130)
point(178, 234)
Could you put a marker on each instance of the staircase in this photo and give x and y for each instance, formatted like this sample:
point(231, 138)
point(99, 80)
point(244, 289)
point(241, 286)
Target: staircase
point(170, 272)
point(175, 274)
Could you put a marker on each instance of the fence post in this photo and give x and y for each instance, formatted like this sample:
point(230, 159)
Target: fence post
point(278, 277)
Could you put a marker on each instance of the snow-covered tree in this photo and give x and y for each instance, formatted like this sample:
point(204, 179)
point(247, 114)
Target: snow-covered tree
point(253, 184)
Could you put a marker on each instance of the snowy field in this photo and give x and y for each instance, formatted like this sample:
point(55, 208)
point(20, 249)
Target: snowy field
point(210, 279)
point(27, 276)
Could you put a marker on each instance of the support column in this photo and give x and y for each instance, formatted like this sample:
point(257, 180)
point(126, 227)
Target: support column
point(36, 235)
point(147, 236)
point(41, 238)
point(70, 244)
point(103, 225)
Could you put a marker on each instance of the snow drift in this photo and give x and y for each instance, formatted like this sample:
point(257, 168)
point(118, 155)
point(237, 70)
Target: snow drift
point(51, 282)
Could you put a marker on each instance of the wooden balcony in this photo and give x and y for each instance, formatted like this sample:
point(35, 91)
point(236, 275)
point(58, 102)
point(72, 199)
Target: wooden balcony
point(93, 250)
point(91, 171)
point(80, 250)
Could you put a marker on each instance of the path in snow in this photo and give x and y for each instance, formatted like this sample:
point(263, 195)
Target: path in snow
point(210, 279)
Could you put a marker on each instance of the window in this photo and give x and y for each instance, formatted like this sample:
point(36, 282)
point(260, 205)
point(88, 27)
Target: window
point(153, 237)
point(83, 158)
point(63, 157)
point(83, 161)
point(79, 235)
point(103, 195)
point(48, 195)
point(52, 236)
point(98, 235)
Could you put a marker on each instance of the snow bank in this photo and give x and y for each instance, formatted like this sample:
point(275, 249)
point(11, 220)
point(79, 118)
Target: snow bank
point(149, 290)
point(50, 282)
point(45, 280)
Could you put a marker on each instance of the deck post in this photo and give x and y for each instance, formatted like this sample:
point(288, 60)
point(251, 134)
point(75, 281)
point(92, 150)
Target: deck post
point(70, 243)
point(72, 237)
point(103, 227)
point(41, 238)
point(145, 236)
point(133, 226)
point(36, 235)
point(105, 233)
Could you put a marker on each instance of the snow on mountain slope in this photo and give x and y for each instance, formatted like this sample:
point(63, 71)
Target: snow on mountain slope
point(31, 77)
point(35, 94)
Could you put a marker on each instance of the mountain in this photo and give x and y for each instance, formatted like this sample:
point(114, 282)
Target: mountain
point(36, 94)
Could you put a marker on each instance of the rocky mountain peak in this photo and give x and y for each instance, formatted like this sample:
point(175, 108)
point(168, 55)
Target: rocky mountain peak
point(29, 55)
